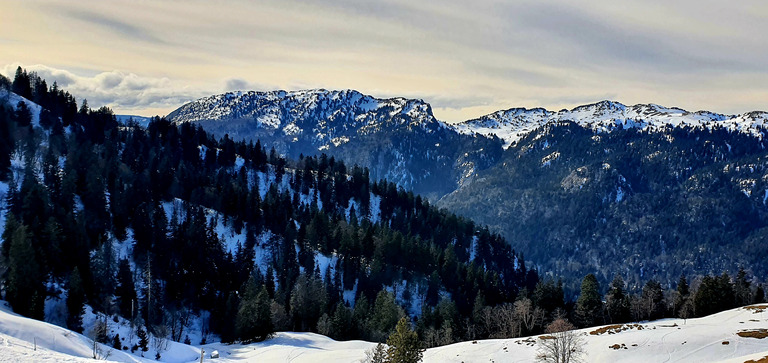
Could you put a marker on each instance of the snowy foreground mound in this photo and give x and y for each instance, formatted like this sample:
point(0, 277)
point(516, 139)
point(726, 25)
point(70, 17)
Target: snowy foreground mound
point(710, 339)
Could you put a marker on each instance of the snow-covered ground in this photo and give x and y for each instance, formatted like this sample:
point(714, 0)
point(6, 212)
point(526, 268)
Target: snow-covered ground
point(709, 339)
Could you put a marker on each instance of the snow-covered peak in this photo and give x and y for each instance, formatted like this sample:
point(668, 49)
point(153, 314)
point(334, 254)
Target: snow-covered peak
point(277, 109)
point(511, 125)
point(325, 118)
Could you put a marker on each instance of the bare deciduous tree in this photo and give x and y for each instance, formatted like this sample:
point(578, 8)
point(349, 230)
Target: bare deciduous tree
point(507, 324)
point(563, 345)
point(377, 354)
point(528, 315)
point(96, 333)
point(177, 320)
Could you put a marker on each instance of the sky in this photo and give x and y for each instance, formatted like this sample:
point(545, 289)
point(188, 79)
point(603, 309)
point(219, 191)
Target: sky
point(466, 58)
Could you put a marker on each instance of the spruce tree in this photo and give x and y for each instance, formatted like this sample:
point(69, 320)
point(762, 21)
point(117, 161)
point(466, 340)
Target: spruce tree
point(742, 289)
point(143, 340)
point(126, 290)
point(653, 300)
point(759, 296)
point(341, 322)
point(21, 84)
point(6, 143)
point(589, 305)
point(385, 314)
point(22, 115)
point(75, 302)
point(253, 322)
point(682, 294)
point(103, 272)
point(616, 302)
point(404, 346)
point(24, 285)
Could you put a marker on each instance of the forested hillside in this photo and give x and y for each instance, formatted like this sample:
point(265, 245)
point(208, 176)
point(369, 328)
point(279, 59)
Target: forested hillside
point(181, 223)
point(647, 204)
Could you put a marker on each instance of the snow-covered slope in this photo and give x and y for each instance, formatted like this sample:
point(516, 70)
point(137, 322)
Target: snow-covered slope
point(710, 339)
point(29, 340)
point(510, 125)
point(14, 99)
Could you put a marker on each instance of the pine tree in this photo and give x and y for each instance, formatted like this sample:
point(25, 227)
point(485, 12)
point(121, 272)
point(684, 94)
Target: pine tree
point(126, 290)
point(385, 314)
point(341, 322)
point(143, 340)
point(103, 271)
point(404, 346)
point(616, 302)
point(116, 342)
point(589, 305)
point(253, 321)
point(549, 295)
point(759, 295)
point(22, 115)
point(21, 84)
point(75, 302)
point(24, 285)
point(682, 294)
point(653, 300)
point(6, 143)
point(742, 289)
point(361, 316)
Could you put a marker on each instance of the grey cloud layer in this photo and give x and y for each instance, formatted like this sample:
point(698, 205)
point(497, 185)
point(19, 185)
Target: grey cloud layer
point(464, 57)
point(116, 89)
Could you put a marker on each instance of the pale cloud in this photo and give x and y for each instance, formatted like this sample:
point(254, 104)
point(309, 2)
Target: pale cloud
point(125, 92)
point(466, 58)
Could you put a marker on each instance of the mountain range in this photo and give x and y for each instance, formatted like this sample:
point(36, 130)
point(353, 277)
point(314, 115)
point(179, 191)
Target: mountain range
point(649, 190)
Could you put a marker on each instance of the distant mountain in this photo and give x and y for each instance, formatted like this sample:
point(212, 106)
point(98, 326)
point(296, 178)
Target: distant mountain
point(140, 120)
point(513, 124)
point(397, 138)
point(649, 190)
point(651, 204)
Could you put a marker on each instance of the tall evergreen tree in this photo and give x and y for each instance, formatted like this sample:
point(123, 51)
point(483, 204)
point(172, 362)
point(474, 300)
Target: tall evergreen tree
point(21, 84)
point(22, 115)
point(103, 272)
point(126, 290)
point(6, 143)
point(24, 286)
point(683, 305)
point(253, 321)
point(742, 289)
point(653, 300)
point(759, 296)
point(617, 302)
point(404, 346)
point(589, 305)
point(75, 302)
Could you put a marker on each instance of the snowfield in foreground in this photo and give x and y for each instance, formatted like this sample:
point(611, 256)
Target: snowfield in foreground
point(710, 339)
